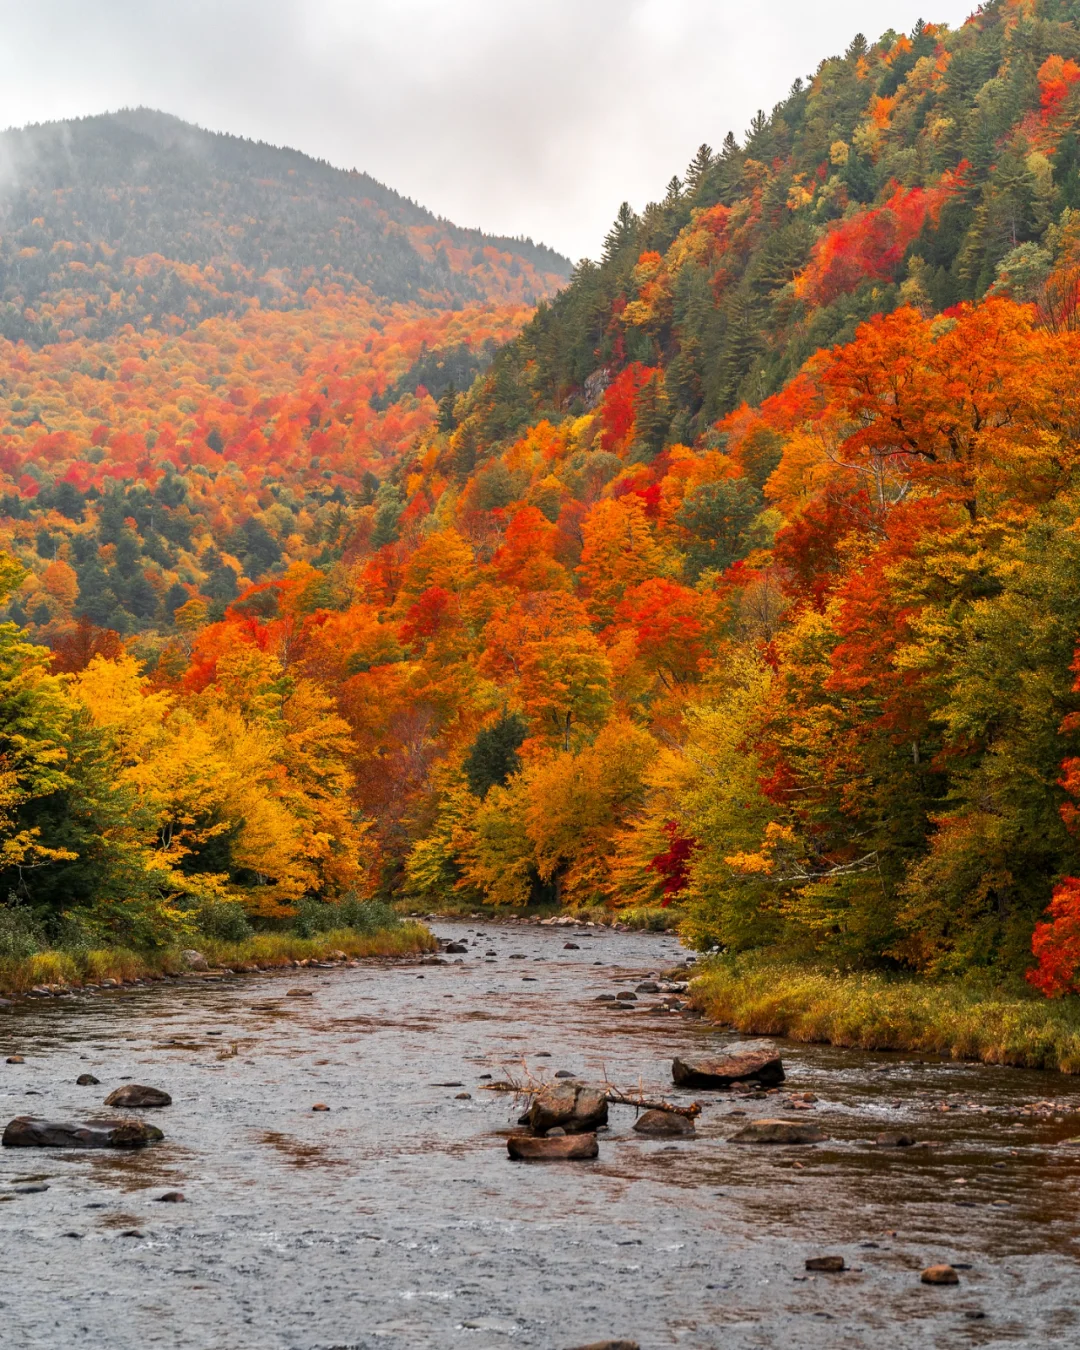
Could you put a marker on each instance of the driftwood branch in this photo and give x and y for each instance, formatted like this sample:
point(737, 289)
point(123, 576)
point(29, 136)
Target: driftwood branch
point(530, 1085)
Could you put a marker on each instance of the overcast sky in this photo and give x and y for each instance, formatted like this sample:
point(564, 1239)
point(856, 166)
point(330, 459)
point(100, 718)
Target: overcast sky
point(529, 117)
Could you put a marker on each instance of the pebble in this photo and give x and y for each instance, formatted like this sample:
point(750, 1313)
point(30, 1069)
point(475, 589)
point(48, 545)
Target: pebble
point(463, 1096)
point(320, 1106)
point(300, 993)
point(15, 1059)
point(571, 947)
point(172, 1198)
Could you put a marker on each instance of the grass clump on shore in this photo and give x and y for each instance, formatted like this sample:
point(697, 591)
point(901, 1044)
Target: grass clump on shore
point(871, 1011)
point(223, 935)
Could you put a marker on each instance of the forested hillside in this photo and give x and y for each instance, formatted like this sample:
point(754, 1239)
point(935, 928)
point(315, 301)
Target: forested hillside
point(138, 218)
point(744, 580)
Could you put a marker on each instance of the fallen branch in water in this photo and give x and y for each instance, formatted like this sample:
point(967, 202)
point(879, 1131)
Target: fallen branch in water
point(648, 1104)
point(615, 1096)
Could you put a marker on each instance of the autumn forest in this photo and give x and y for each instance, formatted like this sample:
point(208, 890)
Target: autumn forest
point(351, 557)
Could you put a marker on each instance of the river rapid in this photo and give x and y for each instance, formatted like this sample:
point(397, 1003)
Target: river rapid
point(395, 1221)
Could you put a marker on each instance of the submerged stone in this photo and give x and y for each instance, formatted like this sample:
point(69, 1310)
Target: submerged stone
point(33, 1132)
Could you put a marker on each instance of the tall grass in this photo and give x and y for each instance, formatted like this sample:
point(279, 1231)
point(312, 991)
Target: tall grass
point(73, 968)
point(881, 1012)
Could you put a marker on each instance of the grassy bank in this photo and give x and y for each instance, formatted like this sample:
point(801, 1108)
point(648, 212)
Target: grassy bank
point(263, 950)
point(879, 1012)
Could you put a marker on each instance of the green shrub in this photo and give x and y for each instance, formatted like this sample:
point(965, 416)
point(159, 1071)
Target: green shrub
point(228, 922)
point(20, 935)
point(362, 916)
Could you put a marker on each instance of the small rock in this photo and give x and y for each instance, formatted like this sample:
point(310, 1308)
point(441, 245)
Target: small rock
point(666, 1124)
point(32, 1132)
point(895, 1139)
point(87, 1080)
point(456, 947)
point(15, 1059)
point(777, 1132)
point(31, 1190)
point(568, 1148)
point(759, 1066)
point(564, 1073)
point(320, 1106)
point(647, 987)
point(135, 1095)
point(463, 1096)
point(605, 998)
point(192, 959)
point(939, 1275)
point(300, 993)
point(557, 1133)
point(826, 1263)
point(172, 1198)
point(626, 996)
point(571, 947)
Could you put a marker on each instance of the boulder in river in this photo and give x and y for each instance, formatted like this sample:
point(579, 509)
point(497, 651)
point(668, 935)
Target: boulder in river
point(172, 1198)
point(576, 1109)
point(32, 1132)
point(664, 1124)
point(195, 960)
point(939, 1275)
point(456, 947)
point(135, 1095)
point(87, 1080)
point(563, 1148)
point(777, 1132)
point(757, 1066)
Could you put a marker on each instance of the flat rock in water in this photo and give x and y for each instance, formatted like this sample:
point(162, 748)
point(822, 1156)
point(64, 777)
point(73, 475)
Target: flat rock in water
point(15, 1059)
point(664, 1124)
point(563, 1148)
point(134, 1094)
point(300, 993)
point(895, 1139)
point(32, 1132)
point(456, 947)
point(577, 1109)
point(87, 1080)
point(172, 1198)
point(777, 1132)
point(608, 1345)
point(759, 1066)
point(831, 1264)
point(939, 1275)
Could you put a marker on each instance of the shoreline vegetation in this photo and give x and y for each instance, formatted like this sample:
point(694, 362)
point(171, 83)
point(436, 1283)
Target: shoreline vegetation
point(874, 1011)
point(57, 971)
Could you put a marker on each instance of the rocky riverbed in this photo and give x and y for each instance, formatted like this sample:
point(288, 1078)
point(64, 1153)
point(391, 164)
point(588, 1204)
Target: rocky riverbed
point(394, 1218)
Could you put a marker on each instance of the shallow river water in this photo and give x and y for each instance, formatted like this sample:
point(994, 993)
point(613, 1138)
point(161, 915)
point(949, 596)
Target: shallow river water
point(396, 1220)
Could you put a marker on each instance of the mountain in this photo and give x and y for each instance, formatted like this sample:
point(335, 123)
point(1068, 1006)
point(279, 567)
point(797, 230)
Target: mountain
point(137, 217)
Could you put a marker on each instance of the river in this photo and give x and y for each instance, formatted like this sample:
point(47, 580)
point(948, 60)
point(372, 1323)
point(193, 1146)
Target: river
point(395, 1221)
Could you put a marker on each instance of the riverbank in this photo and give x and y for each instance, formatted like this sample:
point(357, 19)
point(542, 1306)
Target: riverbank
point(639, 919)
point(59, 970)
point(879, 1012)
